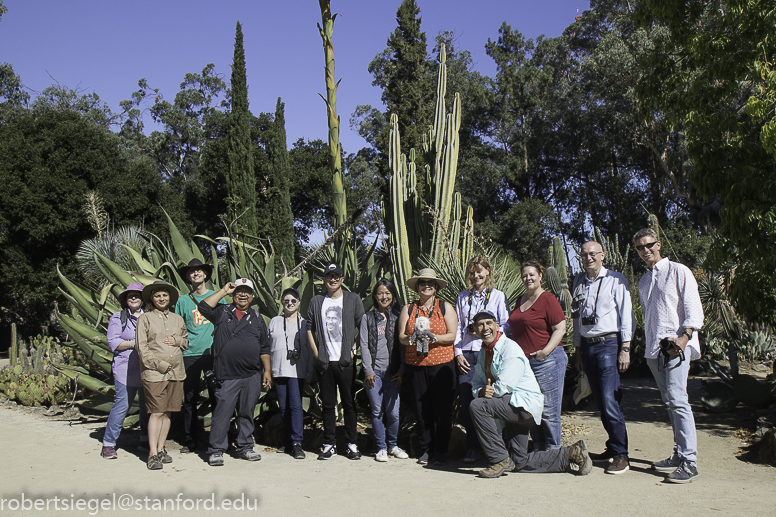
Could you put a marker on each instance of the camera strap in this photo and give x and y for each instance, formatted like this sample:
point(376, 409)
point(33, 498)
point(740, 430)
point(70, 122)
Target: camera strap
point(484, 306)
point(597, 293)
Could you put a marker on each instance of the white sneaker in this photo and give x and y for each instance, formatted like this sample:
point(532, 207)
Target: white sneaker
point(398, 452)
point(382, 455)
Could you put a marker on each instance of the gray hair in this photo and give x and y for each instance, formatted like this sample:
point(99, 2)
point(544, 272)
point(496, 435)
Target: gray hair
point(645, 232)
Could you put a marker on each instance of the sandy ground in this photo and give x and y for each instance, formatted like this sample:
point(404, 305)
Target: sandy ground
point(45, 458)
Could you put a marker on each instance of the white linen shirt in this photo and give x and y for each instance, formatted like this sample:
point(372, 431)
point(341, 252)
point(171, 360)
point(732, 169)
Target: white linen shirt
point(669, 297)
point(611, 304)
point(497, 304)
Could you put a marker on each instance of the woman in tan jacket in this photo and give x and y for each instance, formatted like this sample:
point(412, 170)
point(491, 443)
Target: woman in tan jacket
point(161, 339)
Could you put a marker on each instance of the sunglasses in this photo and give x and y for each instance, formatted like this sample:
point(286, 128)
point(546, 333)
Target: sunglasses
point(431, 283)
point(334, 278)
point(290, 302)
point(647, 246)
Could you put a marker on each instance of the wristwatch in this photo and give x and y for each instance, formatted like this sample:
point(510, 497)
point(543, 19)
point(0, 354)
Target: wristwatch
point(685, 333)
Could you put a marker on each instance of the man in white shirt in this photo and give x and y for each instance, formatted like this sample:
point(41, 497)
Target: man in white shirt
point(672, 314)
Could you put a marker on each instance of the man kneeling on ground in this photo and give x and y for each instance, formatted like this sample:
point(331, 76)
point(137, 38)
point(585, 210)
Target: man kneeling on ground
point(506, 395)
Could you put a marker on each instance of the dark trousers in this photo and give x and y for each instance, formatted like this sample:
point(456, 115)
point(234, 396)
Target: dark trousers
point(599, 361)
point(195, 366)
point(332, 378)
point(289, 391)
point(513, 441)
point(242, 394)
point(434, 390)
point(465, 396)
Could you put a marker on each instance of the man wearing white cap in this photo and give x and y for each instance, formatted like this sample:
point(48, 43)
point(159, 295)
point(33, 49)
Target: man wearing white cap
point(241, 350)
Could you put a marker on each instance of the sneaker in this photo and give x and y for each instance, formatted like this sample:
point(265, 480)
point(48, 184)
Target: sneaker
point(382, 455)
point(109, 453)
point(189, 447)
point(353, 453)
point(249, 455)
point(619, 465)
point(603, 457)
point(439, 459)
point(329, 451)
point(216, 459)
point(684, 473)
point(398, 453)
point(154, 463)
point(669, 464)
point(579, 457)
point(298, 453)
point(282, 449)
point(423, 460)
point(498, 469)
point(472, 455)
point(164, 457)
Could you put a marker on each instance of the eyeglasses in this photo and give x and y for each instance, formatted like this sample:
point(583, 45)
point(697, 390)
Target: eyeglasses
point(334, 278)
point(290, 302)
point(592, 254)
point(431, 283)
point(647, 246)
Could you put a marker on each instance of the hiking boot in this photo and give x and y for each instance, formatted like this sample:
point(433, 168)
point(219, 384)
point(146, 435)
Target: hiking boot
point(109, 453)
point(498, 469)
point(154, 463)
point(382, 455)
point(619, 465)
point(164, 457)
point(189, 447)
point(298, 453)
point(423, 460)
point(216, 459)
point(604, 457)
point(398, 453)
point(684, 473)
point(353, 453)
point(669, 464)
point(578, 456)
point(328, 451)
point(249, 455)
point(472, 456)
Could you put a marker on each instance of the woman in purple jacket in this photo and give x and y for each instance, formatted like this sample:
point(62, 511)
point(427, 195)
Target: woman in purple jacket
point(126, 369)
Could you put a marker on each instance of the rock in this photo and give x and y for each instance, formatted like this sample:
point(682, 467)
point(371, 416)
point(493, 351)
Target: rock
point(72, 413)
point(767, 449)
point(760, 368)
point(718, 397)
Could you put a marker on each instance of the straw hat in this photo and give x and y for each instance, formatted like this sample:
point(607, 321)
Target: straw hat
point(426, 274)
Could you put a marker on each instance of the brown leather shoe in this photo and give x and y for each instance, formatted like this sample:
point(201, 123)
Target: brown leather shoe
point(619, 465)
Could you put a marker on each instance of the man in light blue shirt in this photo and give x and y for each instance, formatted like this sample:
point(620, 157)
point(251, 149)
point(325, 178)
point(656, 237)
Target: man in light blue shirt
point(603, 327)
point(508, 397)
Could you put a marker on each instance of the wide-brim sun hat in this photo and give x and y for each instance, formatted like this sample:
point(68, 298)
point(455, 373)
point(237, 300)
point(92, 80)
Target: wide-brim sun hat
point(426, 274)
point(160, 285)
point(195, 263)
point(136, 287)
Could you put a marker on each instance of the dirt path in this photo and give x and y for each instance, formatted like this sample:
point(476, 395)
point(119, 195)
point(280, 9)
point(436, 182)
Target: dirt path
point(47, 459)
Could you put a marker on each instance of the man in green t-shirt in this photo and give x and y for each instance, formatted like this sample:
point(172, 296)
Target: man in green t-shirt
point(197, 359)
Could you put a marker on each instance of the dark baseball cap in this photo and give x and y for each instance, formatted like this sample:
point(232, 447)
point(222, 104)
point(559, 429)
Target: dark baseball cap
point(332, 268)
point(484, 314)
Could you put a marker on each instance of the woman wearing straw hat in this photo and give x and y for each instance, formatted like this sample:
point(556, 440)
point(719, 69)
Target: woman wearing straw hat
point(125, 368)
point(161, 339)
point(432, 373)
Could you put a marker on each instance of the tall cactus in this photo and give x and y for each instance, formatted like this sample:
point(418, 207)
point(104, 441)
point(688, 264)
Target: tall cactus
point(615, 260)
point(429, 226)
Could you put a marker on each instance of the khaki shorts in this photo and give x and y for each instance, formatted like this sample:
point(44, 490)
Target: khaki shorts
point(163, 396)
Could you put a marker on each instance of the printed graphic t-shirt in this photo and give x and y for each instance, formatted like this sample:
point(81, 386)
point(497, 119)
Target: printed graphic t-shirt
point(200, 329)
point(331, 316)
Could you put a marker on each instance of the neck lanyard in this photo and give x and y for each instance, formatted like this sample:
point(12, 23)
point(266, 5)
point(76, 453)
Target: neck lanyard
point(431, 312)
point(485, 305)
point(298, 329)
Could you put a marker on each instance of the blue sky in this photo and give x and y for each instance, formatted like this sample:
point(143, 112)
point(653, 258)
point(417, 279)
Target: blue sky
point(105, 46)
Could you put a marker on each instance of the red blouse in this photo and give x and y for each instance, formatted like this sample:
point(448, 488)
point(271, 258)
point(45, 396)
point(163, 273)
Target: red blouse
point(532, 329)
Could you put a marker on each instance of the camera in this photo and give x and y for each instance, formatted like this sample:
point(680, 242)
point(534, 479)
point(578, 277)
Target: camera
point(470, 328)
point(666, 347)
point(292, 354)
point(213, 384)
point(589, 320)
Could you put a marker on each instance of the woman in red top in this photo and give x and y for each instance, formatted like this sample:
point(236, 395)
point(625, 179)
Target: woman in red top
point(538, 324)
point(432, 375)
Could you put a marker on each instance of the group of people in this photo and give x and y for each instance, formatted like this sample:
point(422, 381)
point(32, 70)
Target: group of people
point(508, 367)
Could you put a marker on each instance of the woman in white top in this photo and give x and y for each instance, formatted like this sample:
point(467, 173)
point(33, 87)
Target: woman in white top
point(291, 362)
point(480, 295)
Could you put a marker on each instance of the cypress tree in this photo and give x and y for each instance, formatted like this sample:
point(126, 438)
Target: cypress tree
point(241, 182)
point(277, 221)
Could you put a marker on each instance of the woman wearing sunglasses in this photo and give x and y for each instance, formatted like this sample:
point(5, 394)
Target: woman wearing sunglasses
point(291, 362)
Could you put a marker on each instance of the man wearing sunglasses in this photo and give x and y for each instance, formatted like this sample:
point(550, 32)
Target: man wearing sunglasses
point(333, 320)
point(672, 314)
point(603, 326)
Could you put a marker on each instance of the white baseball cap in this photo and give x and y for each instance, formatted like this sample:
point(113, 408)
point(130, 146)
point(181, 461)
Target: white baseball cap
point(240, 282)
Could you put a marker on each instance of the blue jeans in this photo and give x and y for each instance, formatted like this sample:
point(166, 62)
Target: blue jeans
point(384, 400)
point(122, 400)
point(465, 396)
point(550, 374)
point(289, 391)
point(600, 363)
point(672, 383)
